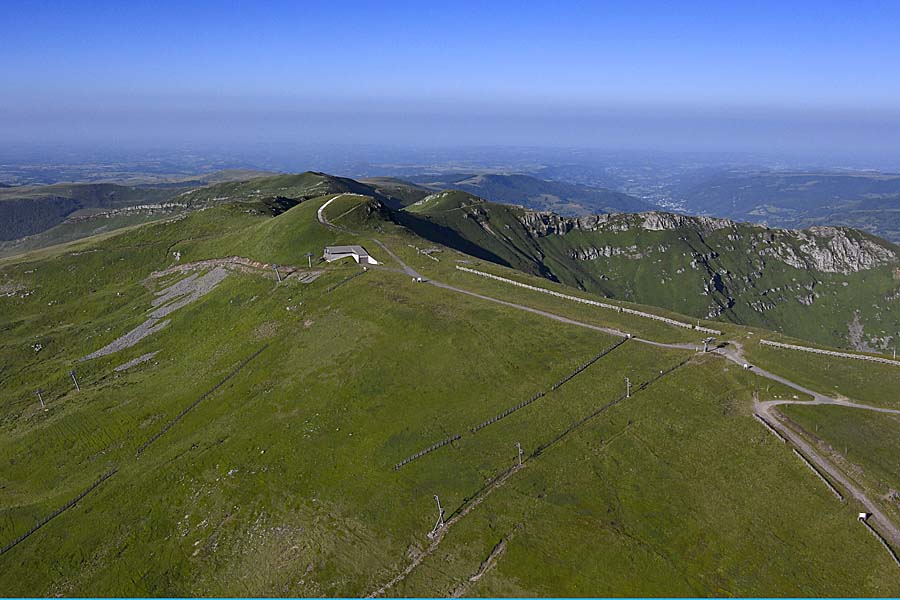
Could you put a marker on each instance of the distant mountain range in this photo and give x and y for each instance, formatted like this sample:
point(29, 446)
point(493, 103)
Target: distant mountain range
point(868, 201)
point(538, 194)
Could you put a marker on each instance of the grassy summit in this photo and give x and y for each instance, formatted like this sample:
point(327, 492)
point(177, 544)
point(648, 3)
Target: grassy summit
point(280, 480)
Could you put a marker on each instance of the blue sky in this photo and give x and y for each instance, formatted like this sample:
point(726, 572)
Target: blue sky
point(583, 73)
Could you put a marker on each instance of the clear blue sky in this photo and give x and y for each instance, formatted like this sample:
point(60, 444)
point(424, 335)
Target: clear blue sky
point(587, 73)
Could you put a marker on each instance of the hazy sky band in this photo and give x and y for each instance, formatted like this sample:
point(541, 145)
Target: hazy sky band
point(654, 74)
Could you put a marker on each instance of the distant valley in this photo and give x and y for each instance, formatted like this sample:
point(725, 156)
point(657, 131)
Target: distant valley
point(868, 201)
point(539, 194)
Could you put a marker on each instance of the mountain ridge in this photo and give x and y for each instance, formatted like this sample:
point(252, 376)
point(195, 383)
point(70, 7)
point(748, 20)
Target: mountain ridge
point(538, 194)
point(810, 284)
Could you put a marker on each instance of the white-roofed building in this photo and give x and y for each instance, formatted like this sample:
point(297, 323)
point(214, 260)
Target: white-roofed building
point(357, 253)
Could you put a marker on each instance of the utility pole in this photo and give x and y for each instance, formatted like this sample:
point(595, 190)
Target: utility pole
point(440, 521)
point(519, 448)
point(277, 274)
point(77, 387)
point(41, 398)
point(706, 343)
point(309, 256)
point(627, 388)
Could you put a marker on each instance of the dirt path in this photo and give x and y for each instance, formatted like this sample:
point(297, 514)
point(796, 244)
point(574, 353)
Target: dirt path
point(485, 566)
point(320, 214)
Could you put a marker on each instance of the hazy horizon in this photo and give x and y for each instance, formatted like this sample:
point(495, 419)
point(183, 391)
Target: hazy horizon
point(806, 79)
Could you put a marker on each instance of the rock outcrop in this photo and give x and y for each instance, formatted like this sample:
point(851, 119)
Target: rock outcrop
point(828, 250)
point(822, 249)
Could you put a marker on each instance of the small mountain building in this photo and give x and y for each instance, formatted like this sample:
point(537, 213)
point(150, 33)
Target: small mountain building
point(358, 253)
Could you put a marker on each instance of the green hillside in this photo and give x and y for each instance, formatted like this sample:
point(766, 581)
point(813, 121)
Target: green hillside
point(297, 187)
point(831, 285)
point(539, 194)
point(254, 451)
point(400, 193)
point(40, 216)
point(28, 210)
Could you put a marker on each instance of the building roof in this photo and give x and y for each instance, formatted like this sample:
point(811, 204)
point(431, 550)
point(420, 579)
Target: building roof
point(358, 250)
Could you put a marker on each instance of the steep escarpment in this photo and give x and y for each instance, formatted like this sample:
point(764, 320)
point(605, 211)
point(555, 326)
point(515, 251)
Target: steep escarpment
point(813, 283)
point(824, 249)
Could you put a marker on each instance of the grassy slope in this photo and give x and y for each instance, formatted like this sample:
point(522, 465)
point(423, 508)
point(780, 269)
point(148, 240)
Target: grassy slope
point(71, 231)
point(30, 210)
point(280, 482)
point(38, 211)
point(301, 185)
point(637, 493)
point(402, 192)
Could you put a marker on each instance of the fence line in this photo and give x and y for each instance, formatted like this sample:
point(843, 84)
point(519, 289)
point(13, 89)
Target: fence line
point(140, 450)
point(769, 427)
point(193, 404)
point(554, 387)
point(512, 409)
point(58, 511)
point(619, 309)
point(422, 453)
point(537, 451)
point(343, 281)
point(883, 541)
point(877, 359)
point(813, 468)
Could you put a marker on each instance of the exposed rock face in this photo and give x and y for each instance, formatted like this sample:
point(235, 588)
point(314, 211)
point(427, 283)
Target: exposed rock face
point(843, 254)
point(829, 250)
point(822, 249)
point(593, 253)
point(856, 335)
point(546, 223)
point(543, 224)
point(661, 221)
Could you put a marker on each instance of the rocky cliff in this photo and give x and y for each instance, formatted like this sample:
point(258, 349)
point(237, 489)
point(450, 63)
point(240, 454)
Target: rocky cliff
point(823, 249)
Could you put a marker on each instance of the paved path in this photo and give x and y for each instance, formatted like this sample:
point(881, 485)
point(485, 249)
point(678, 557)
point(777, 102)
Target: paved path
point(765, 409)
point(885, 525)
point(321, 215)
